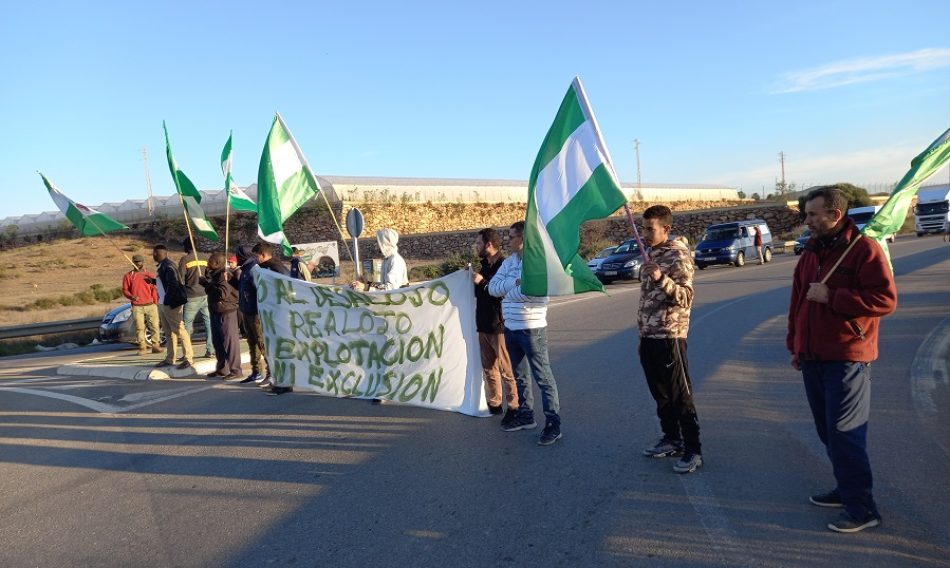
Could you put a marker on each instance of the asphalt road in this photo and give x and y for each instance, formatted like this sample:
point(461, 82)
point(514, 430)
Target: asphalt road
point(190, 473)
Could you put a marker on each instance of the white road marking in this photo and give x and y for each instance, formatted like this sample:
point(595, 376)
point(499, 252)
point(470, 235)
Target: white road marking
point(101, 406)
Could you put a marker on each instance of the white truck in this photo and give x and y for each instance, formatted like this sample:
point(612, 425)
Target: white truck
point(932, 213)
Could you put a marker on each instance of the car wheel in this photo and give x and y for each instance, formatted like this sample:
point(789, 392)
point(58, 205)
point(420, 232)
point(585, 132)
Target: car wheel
point(767, 255)
point(740, 259)
point(161, 336)
point(919, 235)
point(701, 266)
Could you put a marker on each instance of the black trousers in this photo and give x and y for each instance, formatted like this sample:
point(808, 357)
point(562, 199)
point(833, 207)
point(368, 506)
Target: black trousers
point(667, 372)
point(226, 338)
point(255, 342)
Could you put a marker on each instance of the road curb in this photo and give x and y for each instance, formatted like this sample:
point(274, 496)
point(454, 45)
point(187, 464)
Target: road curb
point(134, 370)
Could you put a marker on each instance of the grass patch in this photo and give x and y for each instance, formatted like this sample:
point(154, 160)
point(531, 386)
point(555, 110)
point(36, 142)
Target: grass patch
point(24, 345)
point(95, 294)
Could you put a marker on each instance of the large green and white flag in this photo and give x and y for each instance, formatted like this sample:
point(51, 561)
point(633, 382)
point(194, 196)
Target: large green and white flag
point(284, 183)
point(89, 221)
point(240, 201)
point(891, 217)
point(190, 196)
point(572, 181)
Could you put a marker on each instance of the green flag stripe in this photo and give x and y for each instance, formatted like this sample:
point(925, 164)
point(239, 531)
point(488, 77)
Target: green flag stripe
point(570, 115)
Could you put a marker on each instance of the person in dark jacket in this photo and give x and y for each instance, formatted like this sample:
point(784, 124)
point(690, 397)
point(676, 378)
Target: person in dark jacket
point(248, 318)
point(171, 300)
point(192, 269)
point(266, 261)
point(496, 365)
point(223, 303)
point(833, 320)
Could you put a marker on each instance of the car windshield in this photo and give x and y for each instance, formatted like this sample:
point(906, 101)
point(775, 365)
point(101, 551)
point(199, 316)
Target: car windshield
point(721, 234)
point(629, 246)
point(932, 208)
point(861, 217)
point(606, 252)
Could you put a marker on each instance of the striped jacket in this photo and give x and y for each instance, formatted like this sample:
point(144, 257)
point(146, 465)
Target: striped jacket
point(519, 311)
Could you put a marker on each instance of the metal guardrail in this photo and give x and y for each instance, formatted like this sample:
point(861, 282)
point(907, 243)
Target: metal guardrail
point(47, 328)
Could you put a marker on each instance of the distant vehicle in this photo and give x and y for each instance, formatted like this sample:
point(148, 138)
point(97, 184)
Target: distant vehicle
point(932, 212)
point(119, 326)
point(861, 216)
point(733, 243)
point(800, 241)
point(623, 264)
point(595, 262)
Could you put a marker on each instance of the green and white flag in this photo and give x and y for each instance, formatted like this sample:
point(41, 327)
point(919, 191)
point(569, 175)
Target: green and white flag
point(572, 181)
point(284, 183)
point(891, 217)
point(89, 221)
point(190, 196)
point(240, 201)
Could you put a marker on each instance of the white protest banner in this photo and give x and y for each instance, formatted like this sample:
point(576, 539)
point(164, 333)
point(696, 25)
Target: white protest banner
point(416, 345)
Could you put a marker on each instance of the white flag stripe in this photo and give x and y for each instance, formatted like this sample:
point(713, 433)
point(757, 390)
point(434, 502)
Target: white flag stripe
point(567, 173)
point(61, 201)
point(196, 214)
point(286, 163)
point(559, 282)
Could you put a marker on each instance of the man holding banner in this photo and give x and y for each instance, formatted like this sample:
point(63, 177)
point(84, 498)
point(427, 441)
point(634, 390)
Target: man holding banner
point(526, 338)
point(842, 286)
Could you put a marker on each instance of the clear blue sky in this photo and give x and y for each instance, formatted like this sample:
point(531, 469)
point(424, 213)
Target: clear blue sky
point(850, 91)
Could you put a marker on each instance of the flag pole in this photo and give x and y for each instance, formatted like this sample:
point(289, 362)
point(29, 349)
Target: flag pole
point(181, 198)
point(306, 164)
point(103, 233)
point(227, 216)
point(585, 107)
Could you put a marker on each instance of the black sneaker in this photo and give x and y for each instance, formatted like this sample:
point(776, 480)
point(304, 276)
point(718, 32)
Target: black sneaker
point(510, 415)
point(164, 364)
point(848, 524)
point(495, 410)
point(183, 365)
point(273, 390)
point(664, 449)
point(690, 462)
point(829, 499)
point(520, 422)
point(550, 434)
point(214, 374)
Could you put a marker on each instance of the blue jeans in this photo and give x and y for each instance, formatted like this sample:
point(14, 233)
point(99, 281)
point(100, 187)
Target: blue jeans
point(528, 348)
point(194, 307)
point(839, 394)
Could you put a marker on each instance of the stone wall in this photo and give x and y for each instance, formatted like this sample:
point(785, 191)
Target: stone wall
point(441, 230)
point(594, 234)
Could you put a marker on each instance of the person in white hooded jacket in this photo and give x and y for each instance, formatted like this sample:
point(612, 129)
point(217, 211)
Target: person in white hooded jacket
point(526, 339)
point(393, 273)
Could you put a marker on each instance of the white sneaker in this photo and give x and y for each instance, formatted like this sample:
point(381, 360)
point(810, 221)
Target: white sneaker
point(263, 379)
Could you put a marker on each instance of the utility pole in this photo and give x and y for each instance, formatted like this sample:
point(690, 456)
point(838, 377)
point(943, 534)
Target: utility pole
point(148, 184)
point(783, 188)
point(636, 145)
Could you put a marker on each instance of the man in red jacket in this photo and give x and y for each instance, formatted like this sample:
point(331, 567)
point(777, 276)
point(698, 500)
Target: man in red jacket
point(832, 338)
point(138, 288)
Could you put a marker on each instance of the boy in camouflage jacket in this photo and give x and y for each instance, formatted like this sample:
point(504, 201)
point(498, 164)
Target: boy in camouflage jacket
point(666, 297)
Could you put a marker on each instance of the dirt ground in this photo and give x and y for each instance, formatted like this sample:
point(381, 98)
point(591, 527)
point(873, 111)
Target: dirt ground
point(64, 267)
